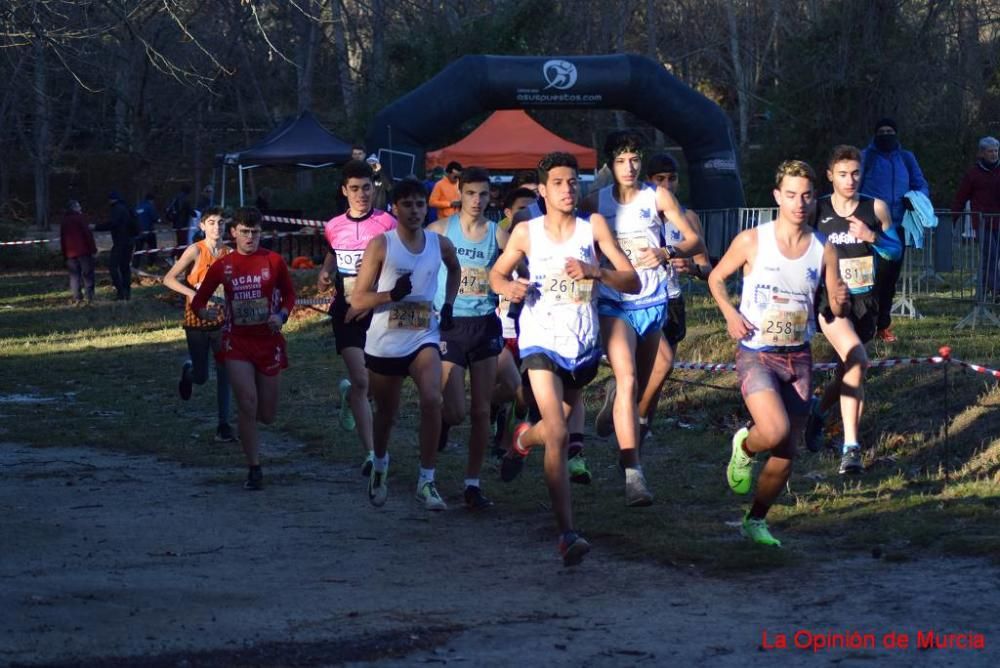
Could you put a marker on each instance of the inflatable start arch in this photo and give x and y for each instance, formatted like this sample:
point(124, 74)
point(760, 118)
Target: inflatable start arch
point(476, 84)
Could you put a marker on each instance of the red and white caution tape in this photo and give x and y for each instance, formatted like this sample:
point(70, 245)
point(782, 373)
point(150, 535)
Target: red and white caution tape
point(977, 368)
point(26, 242)
point(302, 222)
point(829, 366)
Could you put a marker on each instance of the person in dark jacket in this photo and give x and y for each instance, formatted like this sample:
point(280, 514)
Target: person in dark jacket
point(79, 249)
point(123, 226)
point(888, 172)
point(148, 218)
point(981, 188)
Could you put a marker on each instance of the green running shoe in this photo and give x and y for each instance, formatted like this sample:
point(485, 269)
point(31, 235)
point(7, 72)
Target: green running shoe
point(428, 495)
point(739, 473)
point(345, 417)
point(757, 531)
point(578, 471)
point(378, 490)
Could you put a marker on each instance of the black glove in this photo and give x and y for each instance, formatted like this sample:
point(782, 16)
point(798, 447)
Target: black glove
point(446, 321)
point(907, 204)
point(402, 288)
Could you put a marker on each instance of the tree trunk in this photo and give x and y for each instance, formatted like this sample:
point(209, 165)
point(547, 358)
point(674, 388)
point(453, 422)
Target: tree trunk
point(42, 132)
point(739, 76)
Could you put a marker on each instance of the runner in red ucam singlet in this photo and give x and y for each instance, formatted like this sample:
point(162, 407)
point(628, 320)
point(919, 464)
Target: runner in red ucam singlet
point(259, 297)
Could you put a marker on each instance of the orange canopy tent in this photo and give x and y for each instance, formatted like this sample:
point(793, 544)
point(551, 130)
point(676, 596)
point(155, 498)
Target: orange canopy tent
point(509, 140)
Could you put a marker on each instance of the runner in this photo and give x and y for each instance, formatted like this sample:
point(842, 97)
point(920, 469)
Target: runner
point(203, 336)
point(347, 235)
point(631, 324)
point(259, 296)
point(662, 170)
point(782, 262)
point(475, 341)
point(558, 336)
point(399, 280)
point(861, 228)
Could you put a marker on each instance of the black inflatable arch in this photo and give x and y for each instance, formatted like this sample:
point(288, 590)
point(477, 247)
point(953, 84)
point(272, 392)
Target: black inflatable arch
point(475, 84)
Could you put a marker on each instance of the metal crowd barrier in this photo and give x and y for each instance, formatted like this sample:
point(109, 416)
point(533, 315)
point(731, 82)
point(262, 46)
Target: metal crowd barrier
point(959, 260)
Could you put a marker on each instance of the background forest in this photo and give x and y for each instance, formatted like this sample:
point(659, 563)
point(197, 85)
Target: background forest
point(139, 95)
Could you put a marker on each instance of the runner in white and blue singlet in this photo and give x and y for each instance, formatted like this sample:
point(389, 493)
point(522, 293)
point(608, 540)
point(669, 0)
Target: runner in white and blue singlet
point(558, 325)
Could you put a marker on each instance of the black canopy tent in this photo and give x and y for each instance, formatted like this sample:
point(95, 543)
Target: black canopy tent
point(298, 140)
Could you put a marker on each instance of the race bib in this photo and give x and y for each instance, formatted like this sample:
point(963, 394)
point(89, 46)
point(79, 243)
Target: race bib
point(349, 282)
point(631, 244)
point(349, 260)
point(559, 288)
point(784, 328)
point(475, 282)
point(503, 307)
point(410, 315)
point(858, 272)
point(251, 311)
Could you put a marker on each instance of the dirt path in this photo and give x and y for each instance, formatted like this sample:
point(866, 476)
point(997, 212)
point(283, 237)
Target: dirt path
point(108, 557)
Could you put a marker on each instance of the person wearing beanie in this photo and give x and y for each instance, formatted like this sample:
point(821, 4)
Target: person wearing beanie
point(123, 224)
point(888, 172)
point(980, 187)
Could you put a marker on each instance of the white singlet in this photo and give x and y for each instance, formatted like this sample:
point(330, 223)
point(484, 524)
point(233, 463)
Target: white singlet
point(779, 294)
point(400, 328)
point(559, 317)
point(636, 225)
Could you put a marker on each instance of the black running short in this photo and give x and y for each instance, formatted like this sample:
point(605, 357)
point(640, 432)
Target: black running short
point(348, 334)
point(471, 340)
point(675, 329)
point(395, 366)
point(573, 380)
point(863, 314)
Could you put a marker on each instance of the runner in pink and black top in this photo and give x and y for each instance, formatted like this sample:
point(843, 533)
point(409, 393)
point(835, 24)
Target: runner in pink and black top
point(347, 236)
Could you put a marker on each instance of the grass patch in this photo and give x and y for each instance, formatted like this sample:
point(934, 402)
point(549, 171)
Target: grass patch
point(106, 376)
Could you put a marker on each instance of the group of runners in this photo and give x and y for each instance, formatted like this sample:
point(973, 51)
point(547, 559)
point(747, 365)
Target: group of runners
point(528, 306)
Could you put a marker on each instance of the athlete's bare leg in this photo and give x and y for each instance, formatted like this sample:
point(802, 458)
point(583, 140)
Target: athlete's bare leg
point(620, 346)
point(425, 371)
point(385, 394)
point(453, 394)
point(482, 380)
point(508, 378)
point(354, 359)
point(554, 404)
point(775, 431)
point(849, 383)
point(242, 378)
point(663, 364)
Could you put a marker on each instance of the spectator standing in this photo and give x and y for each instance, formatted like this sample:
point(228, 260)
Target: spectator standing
point(124, 227)
point(445, 197)
point(148, 218)
point(980, 187)
point(888, 172)
point(79, 249)
point(179, 213)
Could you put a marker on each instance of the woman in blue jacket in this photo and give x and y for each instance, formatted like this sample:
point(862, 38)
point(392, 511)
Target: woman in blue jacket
point(888, 173)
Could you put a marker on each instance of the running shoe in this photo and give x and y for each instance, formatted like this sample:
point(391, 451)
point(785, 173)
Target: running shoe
point(475, 500)
point(255, 479)
point(428, 495)
point(225, 433)
point(814, 427)
point(886, 335)
point(739, 473)
point(604, 423)
point(366, 466)
point(345, 417)
point(578, 471)
point(572, 548)
point(757, 531)
point(378, 488)
point(850, 461)
point(185, 384)
point(644, 433)
point(637, 494)
point(513, 461)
